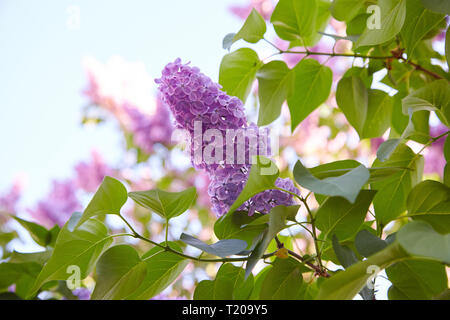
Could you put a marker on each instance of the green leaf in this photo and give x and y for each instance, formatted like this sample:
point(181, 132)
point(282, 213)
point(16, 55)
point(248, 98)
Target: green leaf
point(418, 23)
point(419, 239)
point(386, 148)
point(228, 285)
point(165, 204)
point(393, 14)
point(22, 275)
point(238, 71)
point(222, 248)
point(347, 185)
point(342, 218)
point(277, 218)
point(275, 82)
point(237, 225)
point(344, 254)
point(430, 201)
point(355, 27)
point(40, 257)
point(399, 120)
point(347, 257)
point(7, 237)
point(80, 247)
point(416, 279)
point(163, 267)
point(204, 290)
point(262, 176)
point(228, 41)
point(293, 20)
point(367, 243)
point(54, 232)
point(284, 280)
point(418, 127)
point(346, 284)
point(333, 169)
point(442, 6)
point(362, 73)
point(378, 116)
point(340, 167)
point(312, 88)
point(346, 10)
point(390, 200)
point(120, 271)
point(259, 280)
point(253, 29)
point(322, 19)
point(39, 234)
point(352, 98)
point(109, 199)
point(433, 97)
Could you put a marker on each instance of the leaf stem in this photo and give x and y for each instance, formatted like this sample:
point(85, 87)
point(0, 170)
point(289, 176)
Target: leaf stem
point(166, 247)
point(318, 269)
point(356, 55)
point(313, 224)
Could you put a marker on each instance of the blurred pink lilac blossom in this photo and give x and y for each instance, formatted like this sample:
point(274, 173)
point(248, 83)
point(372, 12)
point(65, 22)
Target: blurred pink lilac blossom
point(124, 89)
point(148, 130)
point(434, 154)
point(9, 200)
point(89, 175)
point(264, 7)
point(58, 205)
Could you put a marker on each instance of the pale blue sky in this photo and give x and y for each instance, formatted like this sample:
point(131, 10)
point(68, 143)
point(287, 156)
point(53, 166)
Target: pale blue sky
point(41, 77)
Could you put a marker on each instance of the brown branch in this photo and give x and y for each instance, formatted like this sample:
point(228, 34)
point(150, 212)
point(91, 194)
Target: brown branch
point(419, 67)
point(319, 271)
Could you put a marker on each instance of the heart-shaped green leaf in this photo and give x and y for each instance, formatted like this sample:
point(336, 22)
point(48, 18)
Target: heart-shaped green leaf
point(81, 248)
point(120, 271)
point(166, 204)
point(228, 285)
point(284, 280)
point(238, 71)
point(109, 199)
point(253, 29)
point(347, 185)
point(222, 248)
point(420, 239)
point(163, 267)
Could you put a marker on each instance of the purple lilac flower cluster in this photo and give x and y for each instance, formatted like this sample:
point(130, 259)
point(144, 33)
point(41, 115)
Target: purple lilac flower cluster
point(59, 205)
point(193, 97)
point(149, 130)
